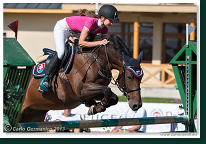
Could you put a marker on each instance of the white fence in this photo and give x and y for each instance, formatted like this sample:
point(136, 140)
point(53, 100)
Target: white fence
point(115, 112)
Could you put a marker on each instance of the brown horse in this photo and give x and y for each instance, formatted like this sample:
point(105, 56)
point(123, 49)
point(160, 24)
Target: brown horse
point(89, 78)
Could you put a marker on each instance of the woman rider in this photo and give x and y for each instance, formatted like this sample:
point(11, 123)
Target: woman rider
point(83, 25)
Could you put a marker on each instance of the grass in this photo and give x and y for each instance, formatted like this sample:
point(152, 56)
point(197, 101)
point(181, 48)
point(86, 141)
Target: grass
point(152, 100)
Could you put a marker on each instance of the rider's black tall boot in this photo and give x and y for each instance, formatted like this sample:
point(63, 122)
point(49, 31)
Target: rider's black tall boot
point(53, 66)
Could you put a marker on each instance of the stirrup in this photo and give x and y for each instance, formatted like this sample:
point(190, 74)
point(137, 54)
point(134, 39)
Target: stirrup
point(43, 86)
point(40, 90)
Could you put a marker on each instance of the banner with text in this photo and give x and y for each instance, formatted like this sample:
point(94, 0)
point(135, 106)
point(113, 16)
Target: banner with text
point(116, 112)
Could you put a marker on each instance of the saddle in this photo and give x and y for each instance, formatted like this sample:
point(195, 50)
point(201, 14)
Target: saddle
point(40, 69)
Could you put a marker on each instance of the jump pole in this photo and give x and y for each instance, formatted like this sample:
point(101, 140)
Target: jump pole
point(105, 122)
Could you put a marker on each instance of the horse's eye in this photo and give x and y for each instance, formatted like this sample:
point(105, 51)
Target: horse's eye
point(129, 77)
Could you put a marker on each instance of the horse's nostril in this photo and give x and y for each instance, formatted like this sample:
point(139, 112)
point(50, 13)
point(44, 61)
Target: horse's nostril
point(134, 106)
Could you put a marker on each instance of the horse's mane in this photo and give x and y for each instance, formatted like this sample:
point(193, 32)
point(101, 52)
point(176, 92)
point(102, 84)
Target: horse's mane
point(119, 45)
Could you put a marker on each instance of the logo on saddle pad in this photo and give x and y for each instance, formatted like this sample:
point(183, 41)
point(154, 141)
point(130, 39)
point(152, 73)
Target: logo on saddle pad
point(40, 67)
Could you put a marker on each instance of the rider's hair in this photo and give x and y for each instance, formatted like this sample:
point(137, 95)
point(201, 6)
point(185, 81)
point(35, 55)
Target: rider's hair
point(85, 12)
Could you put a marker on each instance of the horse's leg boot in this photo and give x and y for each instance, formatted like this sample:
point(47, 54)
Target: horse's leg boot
point(40, 90)
point(53, 66)
point(96, 109)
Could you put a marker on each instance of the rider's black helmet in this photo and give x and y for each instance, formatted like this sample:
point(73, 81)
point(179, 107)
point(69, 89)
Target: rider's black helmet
point(110, 12)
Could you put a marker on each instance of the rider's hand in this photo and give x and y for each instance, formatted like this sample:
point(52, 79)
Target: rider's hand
point(79, 50)
point(104, 42)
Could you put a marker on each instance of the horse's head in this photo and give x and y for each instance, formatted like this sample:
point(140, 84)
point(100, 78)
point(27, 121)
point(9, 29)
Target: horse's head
point(131, 77)
point(130, 72)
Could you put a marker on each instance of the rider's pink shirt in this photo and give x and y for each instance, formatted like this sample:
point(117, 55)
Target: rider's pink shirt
point(76, 24)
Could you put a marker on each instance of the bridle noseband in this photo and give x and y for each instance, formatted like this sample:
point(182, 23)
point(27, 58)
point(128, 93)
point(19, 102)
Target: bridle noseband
point(124, 88)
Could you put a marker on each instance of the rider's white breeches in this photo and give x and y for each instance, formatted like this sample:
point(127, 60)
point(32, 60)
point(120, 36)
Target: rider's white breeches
point(61, 32)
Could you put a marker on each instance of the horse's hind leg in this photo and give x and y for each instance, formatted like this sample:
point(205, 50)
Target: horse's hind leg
point(92, 89)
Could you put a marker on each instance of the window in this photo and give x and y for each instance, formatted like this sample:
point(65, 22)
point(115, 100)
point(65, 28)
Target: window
point(173, 45)
point(175, 28)
point(174, 38)
point(146, 41)
point(121, 29)
point(4, 34)
point(126, 32)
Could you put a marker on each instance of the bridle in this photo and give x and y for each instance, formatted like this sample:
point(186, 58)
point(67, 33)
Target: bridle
point(107, 74)
point(124, 88)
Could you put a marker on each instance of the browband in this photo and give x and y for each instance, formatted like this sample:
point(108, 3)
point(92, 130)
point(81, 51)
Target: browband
point(139, 73)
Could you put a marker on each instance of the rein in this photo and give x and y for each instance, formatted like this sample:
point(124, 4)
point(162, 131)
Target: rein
point(102, 72)
point(90, 58)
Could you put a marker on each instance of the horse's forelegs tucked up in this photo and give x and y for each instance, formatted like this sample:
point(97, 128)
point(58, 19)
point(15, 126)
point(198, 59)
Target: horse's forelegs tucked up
point(101, 106)
point(94, 90)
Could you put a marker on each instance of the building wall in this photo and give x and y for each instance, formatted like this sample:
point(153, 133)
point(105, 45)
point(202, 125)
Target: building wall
point(35, 31)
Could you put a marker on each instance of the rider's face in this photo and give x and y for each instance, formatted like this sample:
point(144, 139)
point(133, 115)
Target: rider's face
point(108, 23)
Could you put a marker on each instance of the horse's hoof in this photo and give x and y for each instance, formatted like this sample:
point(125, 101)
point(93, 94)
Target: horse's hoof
point(90, 111)
point(40, 90)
